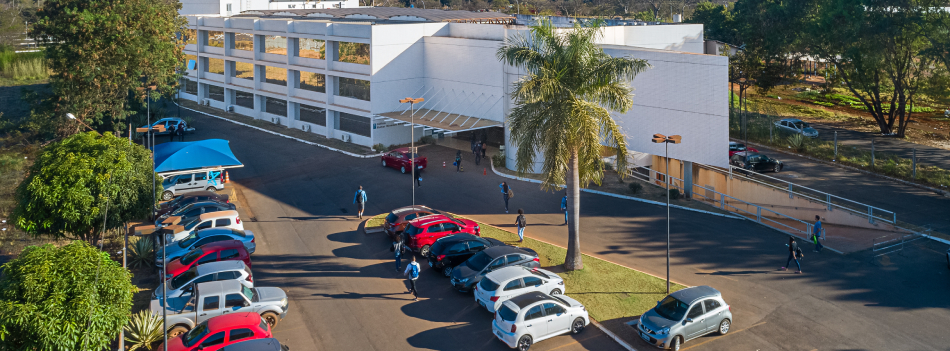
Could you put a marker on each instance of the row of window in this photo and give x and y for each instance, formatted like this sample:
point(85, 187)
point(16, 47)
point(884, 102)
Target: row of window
point(278, 45)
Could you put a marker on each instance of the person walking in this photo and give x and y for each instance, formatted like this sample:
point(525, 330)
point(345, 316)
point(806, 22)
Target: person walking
point(181, 131)
point(816, 233)
point(418, 179)
point(794, 253)
point(484, 149)
point(478, 155)
point(521, 223)
point(458, 160)
point(360, 200)
point(172, 131)
point(505, 190)
point(412, 272)
point(398, 248)
point(564, 206)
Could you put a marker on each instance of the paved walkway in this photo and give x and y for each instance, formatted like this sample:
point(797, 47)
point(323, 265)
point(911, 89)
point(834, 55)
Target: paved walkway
point(927, 155)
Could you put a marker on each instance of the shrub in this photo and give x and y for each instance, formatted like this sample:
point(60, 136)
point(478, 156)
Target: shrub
point(608, 166)
point(674, 194)
point(380, 147)
point(822, 103)
point(498, 160)
point(144, 330)
point(141, 252)
point(635, 187)
point(428, 139)
point(798, 142)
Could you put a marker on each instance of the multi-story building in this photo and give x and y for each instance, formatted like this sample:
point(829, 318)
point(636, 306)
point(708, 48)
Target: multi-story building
point(340, 73)
point(226, 8)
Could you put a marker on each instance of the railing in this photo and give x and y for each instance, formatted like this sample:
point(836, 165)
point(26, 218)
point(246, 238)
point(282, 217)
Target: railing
point(881, 247)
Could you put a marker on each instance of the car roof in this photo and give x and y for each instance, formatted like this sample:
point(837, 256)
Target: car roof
point(219, 266)
point(526, 299)
point(498, 251)
point(218, 287)
point(411, 209)
point(231, 320)
point(215, 231)
point(421, 221)
point(218, 214)
point(791, 120)
point(695, 293)
point(509, 273)
point(747, 153)
point(402, 150)
point(222, 245)
point(268, 344)
point(202, 193)
point(454, 238)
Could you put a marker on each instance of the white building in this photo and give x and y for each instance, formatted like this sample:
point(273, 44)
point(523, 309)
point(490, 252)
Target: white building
point(226, 8)
point(340, 73)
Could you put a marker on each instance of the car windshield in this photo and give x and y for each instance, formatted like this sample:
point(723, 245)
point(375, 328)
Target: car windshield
point(488, 285)
point(391, 218)
point(182, 209)
point(248, 292)
point(671, 308)
point(538, 273)
point(562, 300)
point(193, 336)
point(800, 125)
point(191, 224)
point(507, 314)
point(240, 233)
point(457, 221)
point(191, 239)
point(184, 278)
point(191, 256)
point(168, 181)
point(479, 261)
point(412, 230)
point(406, 154)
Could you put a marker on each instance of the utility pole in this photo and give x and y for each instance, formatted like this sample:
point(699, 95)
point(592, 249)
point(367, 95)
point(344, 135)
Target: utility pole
point(672, 139)
point(412, 143)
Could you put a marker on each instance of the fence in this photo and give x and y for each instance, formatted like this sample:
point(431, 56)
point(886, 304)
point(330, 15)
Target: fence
point(882, 246)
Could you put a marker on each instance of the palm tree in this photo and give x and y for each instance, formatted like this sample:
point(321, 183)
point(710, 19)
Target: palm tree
point(562, 109)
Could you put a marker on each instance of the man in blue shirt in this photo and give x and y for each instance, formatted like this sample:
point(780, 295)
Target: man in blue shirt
point(360, 200)
point(564, 206)
point(816, 232)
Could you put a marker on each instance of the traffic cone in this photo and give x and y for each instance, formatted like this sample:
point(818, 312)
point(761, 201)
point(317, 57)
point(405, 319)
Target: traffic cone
point(485, 171)
point(227, 179)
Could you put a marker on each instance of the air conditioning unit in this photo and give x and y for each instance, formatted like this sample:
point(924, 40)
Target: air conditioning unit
point(207, 102)
point(274, 120)
point(230, 108)
point(305, 127)
point(345, 137)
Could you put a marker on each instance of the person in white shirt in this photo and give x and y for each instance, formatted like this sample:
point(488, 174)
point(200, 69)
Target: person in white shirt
point(412, 271)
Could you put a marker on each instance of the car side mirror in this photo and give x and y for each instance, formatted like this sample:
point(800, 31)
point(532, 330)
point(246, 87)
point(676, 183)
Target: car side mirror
point(246, 304)
point(689, 320)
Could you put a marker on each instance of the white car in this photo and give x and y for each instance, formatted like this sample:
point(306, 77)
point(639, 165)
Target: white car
point(529, 318)
point(209, 272)
point(503, 284)
point(797, 126)
point(221, 219)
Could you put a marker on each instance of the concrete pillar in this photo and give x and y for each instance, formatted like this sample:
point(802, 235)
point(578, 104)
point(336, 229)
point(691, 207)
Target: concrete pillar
point(688, 179)
point(332, 122)
point(228, 97)
point(229, 67)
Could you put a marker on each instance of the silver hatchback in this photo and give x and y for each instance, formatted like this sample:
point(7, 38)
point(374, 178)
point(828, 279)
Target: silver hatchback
point(685, 315)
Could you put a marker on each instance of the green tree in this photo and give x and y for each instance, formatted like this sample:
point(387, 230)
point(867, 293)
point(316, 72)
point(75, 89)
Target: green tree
point(562, 109)
point(102, 53)
point(63, 299)
point(72, 183)
point(718, 22)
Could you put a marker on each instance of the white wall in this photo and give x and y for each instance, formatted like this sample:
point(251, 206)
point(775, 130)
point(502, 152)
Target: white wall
point(200, 7)
point(677, 37)
point(465, 76)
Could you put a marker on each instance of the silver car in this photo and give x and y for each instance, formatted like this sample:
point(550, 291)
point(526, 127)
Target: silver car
point(685, 315)
point(797, 126)
point(209, 272)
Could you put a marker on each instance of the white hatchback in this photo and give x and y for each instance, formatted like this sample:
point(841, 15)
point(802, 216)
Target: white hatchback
point(221, 219)
point(503, 284)
point(529, 318)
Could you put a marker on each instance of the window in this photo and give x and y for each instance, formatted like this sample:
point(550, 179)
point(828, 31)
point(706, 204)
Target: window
point(275, 106)
point(228, 7)
point(506, 313)
point(457, 248)
point(711, 305)
point(191, 87)
point(210, 303)
point(313, 114)
point(243, 70)
point(498, 263)
point(234, 300)
point(211, 257)
point(227, 275)
point(514, 285)
point(274, 75)
point(532, 281)
point(190, 257)
point(191, 36)
point(229, 254)
point(412, 216)
point(354, 53)
point(243, 333)
point(514, 258)
point(311, 48)
point(244, 99)
point(214, 339)
point(216, 93)
point(191, 62)
point(534, 312)
point(204, 225)
point(450, 227)
point(354, 124)
point(204, 279)
point(274, 44)
point(223, 222)
point(313, 82)
point(243, 41)
point(476, 246)
point(184, 179)
point(201, 176)
point(184, 278)
point(696, 311)
point(215, 38)
point(552, 309)
point(488, 285)
point(354, 88)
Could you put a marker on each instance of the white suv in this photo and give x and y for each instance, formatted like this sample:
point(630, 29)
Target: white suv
point(503, 284)
point(526, 319)
point(221, 219)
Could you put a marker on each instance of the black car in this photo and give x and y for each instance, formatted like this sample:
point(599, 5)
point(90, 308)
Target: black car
point(452, 250)
point(755, 161)
point(466, 275)
point(196, 209)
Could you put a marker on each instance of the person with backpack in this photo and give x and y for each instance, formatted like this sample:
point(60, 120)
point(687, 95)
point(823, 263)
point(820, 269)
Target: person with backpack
point(172, 132)
point(794, 253)
point(506, 192)
point(458, 160)
point(564, 206)
point(360, 200)
point(398, 248)
point(816, 232)
point(412, 271)
point(521, 223)
point(478, 155)
point(181, 131)
point(484, 149)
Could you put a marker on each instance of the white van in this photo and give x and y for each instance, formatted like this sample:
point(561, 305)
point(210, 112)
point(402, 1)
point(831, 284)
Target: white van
point(220, 219)
point(185, 183)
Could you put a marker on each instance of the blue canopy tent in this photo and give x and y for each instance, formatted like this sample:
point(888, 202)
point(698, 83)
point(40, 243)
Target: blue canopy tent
point(180, 157)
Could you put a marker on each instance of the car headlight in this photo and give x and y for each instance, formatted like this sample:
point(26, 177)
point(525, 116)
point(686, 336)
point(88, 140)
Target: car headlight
point(283, 303)
point(464, 280)
point(664, 331)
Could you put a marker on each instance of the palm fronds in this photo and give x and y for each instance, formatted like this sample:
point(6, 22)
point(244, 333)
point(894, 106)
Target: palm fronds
point(143, 330)
point(141, 252)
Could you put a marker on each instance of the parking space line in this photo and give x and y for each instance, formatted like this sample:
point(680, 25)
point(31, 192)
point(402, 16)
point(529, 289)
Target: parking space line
point(733, 333)
point(576, 342)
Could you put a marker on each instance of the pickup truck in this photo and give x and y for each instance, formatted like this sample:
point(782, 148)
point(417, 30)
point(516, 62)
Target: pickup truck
point(212, 299)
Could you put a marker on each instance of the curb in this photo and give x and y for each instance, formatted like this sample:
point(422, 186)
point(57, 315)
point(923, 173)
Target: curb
point(609, 333)
point(285, 136)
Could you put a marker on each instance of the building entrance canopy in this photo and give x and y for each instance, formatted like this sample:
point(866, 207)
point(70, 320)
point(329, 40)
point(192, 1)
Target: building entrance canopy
point(447, 111)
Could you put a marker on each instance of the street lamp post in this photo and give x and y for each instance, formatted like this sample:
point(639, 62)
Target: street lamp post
point(412, 142)
point(672, 139)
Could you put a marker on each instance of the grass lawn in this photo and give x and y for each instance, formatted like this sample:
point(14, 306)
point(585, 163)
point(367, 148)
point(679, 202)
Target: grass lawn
point(607, 290)
point(376, 221)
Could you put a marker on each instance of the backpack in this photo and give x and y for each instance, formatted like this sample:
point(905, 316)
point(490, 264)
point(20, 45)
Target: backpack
point(414, 271)
point(799, 253)
point(511, 193)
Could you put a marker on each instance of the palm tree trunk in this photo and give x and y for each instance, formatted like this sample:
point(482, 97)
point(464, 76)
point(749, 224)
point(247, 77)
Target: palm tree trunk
point(573, 261)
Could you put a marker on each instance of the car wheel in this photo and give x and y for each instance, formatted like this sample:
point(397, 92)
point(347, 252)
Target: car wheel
point(724, 326)
point(177, 330)
point(424, 251)
point(524, 343)
point(212, 189)
point(384, 163)
point(555, 292)
point(167, 196)
point(402, 169)
point(447, 271)
point(578, 326)
point(777, 168)
point(675, 344)
point(270, 318)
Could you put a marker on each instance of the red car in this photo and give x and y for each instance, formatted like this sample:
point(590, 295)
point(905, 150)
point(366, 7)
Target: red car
point(397, 220)
point(735, 147)
point(421, 233)
point(399, 159)
point(218, 332)
point(230, 250)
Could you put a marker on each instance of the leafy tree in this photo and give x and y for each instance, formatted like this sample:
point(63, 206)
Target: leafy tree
point(12, 26)
point(72, 183)
point(562, 109)
point(100, 52)
point(718, 22)
point(63, 299)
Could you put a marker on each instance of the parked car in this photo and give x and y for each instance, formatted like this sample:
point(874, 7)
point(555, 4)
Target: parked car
point(421, 233)
point(232, 250)
point(796, 126)
point(754, 161)
point(397, 219)
point(195, 209)
point(452, 250)
point(503, 284)
point(685, 315)
point(400, 159)
point(213, 299)
point(533, 317)
point(169, 123)
point(735, 147)
point(222, 219)
point(209, 272)
point(257, 345)
point(466, 275)
point(189, 198)
point(218, 332)
point(185, 183)
point(205, 236)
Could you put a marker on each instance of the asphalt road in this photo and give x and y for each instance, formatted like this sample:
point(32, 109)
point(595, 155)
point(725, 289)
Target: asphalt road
point(926, 155)
point(345, 294)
